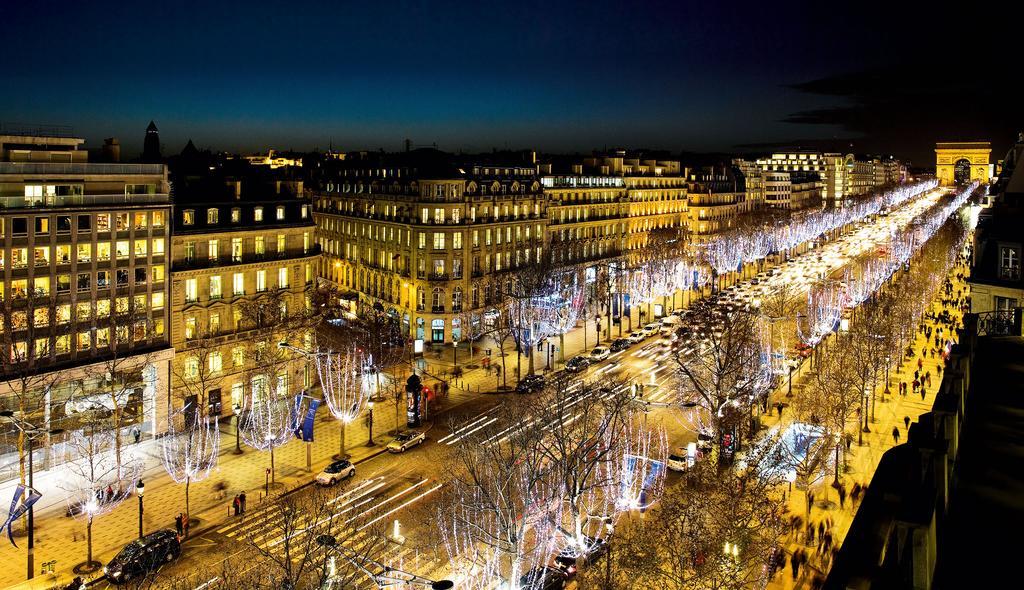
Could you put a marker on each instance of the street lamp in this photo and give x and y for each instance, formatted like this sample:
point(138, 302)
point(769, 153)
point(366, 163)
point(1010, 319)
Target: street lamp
point(238, 426)
point(369, 414)
point(139, 489)
point(31, 432)
point(388, 576)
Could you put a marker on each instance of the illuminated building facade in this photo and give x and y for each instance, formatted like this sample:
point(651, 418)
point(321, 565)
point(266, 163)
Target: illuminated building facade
point(429, 237)
point(241, 243)
point(84, 291)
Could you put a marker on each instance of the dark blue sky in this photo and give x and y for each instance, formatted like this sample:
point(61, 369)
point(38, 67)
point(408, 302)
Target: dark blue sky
point(554, 76)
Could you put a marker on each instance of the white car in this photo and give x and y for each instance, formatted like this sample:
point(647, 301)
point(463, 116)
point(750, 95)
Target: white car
point(651, 329)
point(406, 441)
point(599, 353)
point(335, 472)
point(637, 337)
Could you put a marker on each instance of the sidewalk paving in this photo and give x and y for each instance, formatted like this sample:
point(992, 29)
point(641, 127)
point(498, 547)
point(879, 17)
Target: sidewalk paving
point(864, 459)
point(63, 539)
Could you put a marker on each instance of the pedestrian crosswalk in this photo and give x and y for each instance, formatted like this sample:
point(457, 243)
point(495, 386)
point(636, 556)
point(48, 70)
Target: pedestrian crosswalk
point(357, 517)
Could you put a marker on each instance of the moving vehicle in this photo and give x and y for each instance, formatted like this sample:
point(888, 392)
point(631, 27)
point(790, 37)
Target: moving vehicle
point(530, 384)
point(599, 353)
point(637, 337)
point(542, 578)
point(577, 364)
point(142, 556)
point(335, 472)
point(620, 344)
point(651, 329)
point(406, 440)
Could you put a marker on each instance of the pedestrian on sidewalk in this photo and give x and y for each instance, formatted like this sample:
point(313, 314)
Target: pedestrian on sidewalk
point(237, 505)
point(906, 422)
point(136, 434)
point(842, 495)
point(241, 501)
point(896, 434)
point(779, 406)
point(920, 363)
point(179, 525)
point(922, 393)
point(794, 562)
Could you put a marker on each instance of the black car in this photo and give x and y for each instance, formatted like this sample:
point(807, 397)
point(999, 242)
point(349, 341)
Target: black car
point(569, 557)
point(577, 364)
point(530, 384)
point(620, 344)
point(143, 556)
point(542, 578)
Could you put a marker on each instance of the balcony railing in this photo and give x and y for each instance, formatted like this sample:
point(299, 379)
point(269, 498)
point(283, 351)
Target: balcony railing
point(1001, 322)
point(83, 200)
point(438, 276)
point(79, 168)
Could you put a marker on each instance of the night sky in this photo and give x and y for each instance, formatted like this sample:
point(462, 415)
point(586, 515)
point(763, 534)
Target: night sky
point(552, 76)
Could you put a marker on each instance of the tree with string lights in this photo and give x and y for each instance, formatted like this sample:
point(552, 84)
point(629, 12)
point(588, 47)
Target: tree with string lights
point(343, 381)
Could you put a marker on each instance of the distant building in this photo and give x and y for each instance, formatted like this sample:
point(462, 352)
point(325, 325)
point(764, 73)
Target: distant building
point(963, 162)
point(275, 160)
point(151, 151)
point(841, 177)
point(716, 197)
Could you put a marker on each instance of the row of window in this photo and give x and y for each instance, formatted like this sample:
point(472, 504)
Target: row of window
point(82, 253)
point(213, 325)
point(84, 281)
point(84, 311)
point(87, 340)
point(216, 284)
point(188, 216)
point(84, 223)
point(259, 245)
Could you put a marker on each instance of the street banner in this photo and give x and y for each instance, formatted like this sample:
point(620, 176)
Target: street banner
point(19, 506)
point(305, 430)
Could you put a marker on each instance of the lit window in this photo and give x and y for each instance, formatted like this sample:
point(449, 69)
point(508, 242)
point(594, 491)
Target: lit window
point(280, 213)
point(213, 250)
point(158, 219)
point(238, 284)
point(158, 246)
point(282, 277)
point(190, 328)
point(261, 281)
point(188, 217)
point(211, 216)
point(236, 215)
point(158, 300)
point(215, 287)
point(216, 364)
point(257, 214)
point(191, 292)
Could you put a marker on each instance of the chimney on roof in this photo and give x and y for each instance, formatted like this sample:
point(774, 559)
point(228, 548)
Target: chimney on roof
point(236, 187)
point(111, 150)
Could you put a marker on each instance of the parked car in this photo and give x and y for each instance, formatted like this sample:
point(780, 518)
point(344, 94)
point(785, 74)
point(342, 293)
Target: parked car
point(577, 364)
point(335, 472)
point(569, 557)
point(599, 353)
point(530, 384)
point(142, 556)
point(651, 329)
point(542, 578)
point(620, 344)
point(637, 337)
point(406, 441)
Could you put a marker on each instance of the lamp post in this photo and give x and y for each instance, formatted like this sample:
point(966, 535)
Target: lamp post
point(139, 489)
point(369, 417)
point(31, 432)
point(238, 426)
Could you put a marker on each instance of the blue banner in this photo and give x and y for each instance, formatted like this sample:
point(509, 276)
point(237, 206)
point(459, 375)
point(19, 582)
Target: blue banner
point(305, 430)
point(17, 509)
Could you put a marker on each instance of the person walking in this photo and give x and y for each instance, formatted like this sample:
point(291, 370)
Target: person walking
point(237, 505)
point(179, 525)
point(794, 562)
point(842, 495)
point(895, 435)
point(241, 502)
point(136, 434)
point(906, 422)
